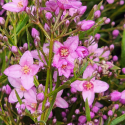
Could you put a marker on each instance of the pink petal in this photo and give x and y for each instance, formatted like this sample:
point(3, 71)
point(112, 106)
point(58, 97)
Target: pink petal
point(99, 51)
point(27, 81)
point(15, 82)
point(72, 43)
point(13, 71)
point(11, 7)
point(55, 60)
point(60, 102)
point(106, 54)
point(88, 72)
point(100, 86)
point(34, 54)
point(12, 96)
point(76, 84)
point(16, 1)
point(59, 93)
point(92, 48)
point(88, 94)
point(26, 59)
point(30, 96)
point(34, 69)
point(56, 46)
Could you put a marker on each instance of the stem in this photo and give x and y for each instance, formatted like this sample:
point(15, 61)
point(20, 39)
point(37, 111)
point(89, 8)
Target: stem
point(48, 74)
point(41, 27)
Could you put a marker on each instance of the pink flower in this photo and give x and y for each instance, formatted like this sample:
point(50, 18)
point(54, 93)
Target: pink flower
point(16, 5)
point(89, 88)
point(66, 51)
point(65, 68)
point(60, 102)
point(16, 82)
point(34, 33)
point(25, 70)
point(122, 99)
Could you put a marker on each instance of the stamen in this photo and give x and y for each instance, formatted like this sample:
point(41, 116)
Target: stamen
point(22, 88)
point(64, 52)
point(20, 4)
point(26, 69)
point(88, 85)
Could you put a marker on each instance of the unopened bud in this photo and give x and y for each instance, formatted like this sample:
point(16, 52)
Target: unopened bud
point(5, 39)
point(2, 21)
point(40, 97)
point(48, 15)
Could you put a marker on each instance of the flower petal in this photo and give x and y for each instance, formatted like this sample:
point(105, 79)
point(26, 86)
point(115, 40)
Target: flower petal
point(26, 59)
point(27, 81)
point(100, 86)
point(88, 94)
point(12, 96)
point(77, 85)
point(88, 72)
point(56, 46)
point(13, 71)
point(11, 7)
point(59, 93)
point(60, 102)
point(15, 82)
point(34, 69)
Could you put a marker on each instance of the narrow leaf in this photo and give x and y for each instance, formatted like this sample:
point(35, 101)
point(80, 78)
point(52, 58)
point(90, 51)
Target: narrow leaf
point(2, 78)
point(118, 120)
point(115, 68)
point(18, 97)
point(87, 110)
point(123, 50)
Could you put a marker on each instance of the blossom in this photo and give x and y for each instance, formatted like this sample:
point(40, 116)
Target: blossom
point(66, 51)
point(16, 5)
point(16, 83)
point(60, 102)
point(65, 68)
point(25, 70)
point(88, 88)
point(34, 33)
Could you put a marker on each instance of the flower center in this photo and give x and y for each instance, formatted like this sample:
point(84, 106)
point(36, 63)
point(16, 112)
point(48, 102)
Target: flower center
point(33, 105)
point(20, 4)
point(88, 85)
point(63, 66)
point(64, 52)
point(26, 69)
point(22, 88)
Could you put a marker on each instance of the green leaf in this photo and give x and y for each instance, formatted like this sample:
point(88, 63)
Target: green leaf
point(87, 110)
point(115, 68)
point(121, 77)
point(21, 24)
point(28, 38)
point(3, 61)
point(83, 69)
point(18, 98)
point(123, 50)
point(118, 120)
point(41, 122)
point(2, 78)
point(36, 81)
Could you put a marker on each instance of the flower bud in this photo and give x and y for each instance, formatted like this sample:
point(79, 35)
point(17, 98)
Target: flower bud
point(63, 114)
point(92, 115)
point(115, 96)
point(115, 33)
point(40, 97)
point(110, 1)
point(34, 33)
point(116, 106)
point(48, 15)
point(47, 105)
point(19, 111)
point(113, 23)
point(97, 37)
point(46, 27)
point(95, 109)
point(82, 119)
point(111, 47)
point(8, 89)
point(14, 49)
point(104, 117)
point(25, 46)
point(102, 7)
point(107, 21)
point(37, 38)
point(28, 11)
point(123, 70)
point(54, 120)
point(5, 39)
point(73, 90)
point(82, 10)
point(1, 37)
point(115, 58)
point(110, 113)
point(4, 89)
point(97, 14)
point(67, 23)
point(121, 2)
point(85, 25)
point(73, 99)
point(77, 111)
point(2, 21)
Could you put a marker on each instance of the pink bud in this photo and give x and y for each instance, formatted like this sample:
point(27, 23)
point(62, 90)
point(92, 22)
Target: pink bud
point(104, 117)
point(46, 27)
point(115, 96)
point(97, 14)
point(115, 58)
point(121, 2)
point(40, 97)
point(113, 23)
point(34, 33)
point(73, 90)
point(115, 33)
point(25, 46)
point(107, 21)
point(95, 109)
point(77, 111)
point(14, 49)
point(63, 114)
point(110, 113)
point(82, 119)
point(8, 89)
point(92, 115)
point(123, 70)
point(2, 21)
point(110, 1)
point(73, 99)
point(22, 107)
point(116, 106)
point(97, 37)
point(48, 15)
point(85, 25)
point(82, 10)
point(111, 47)
point(102, 7)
